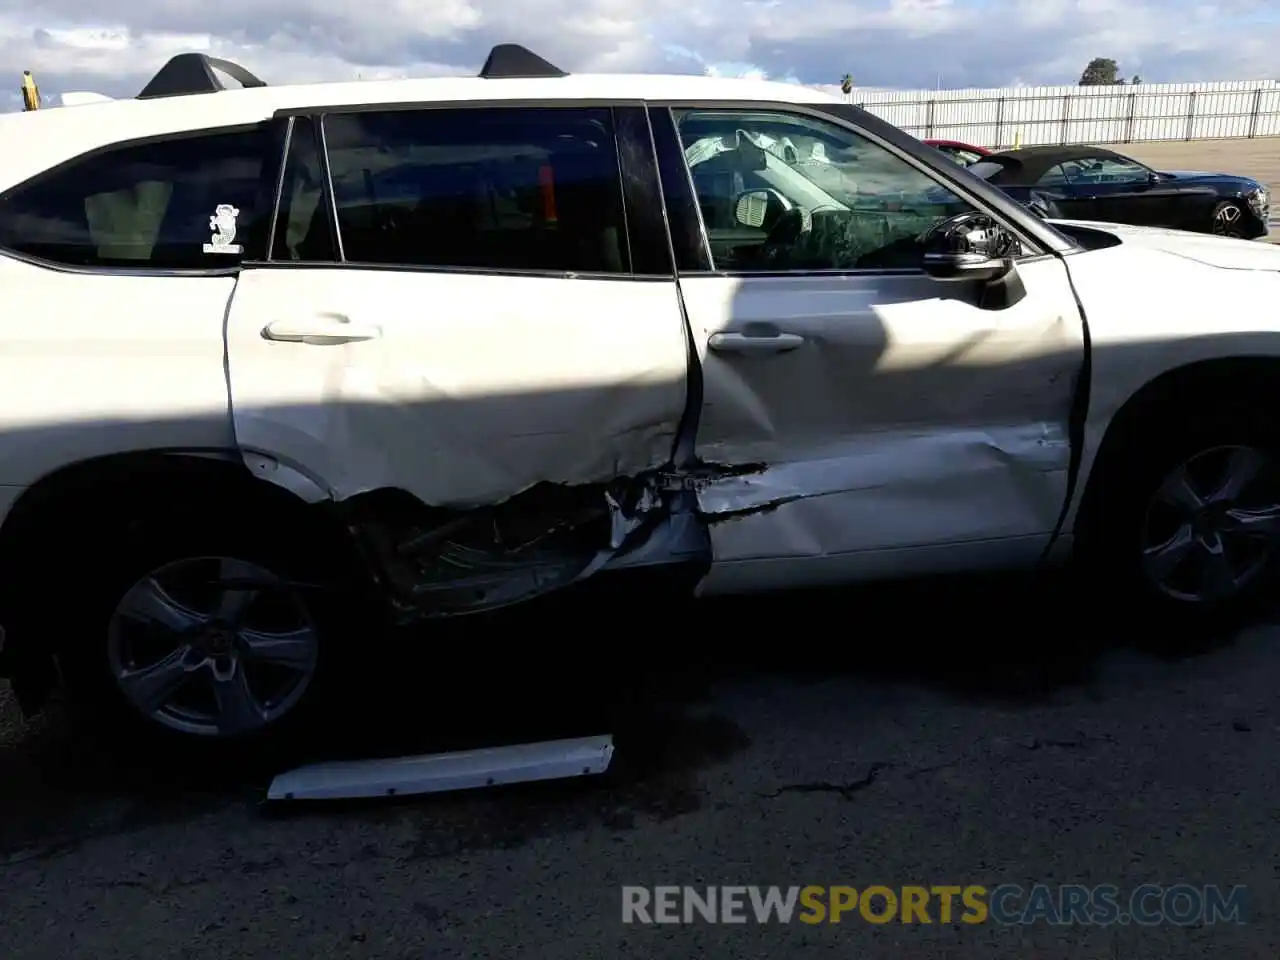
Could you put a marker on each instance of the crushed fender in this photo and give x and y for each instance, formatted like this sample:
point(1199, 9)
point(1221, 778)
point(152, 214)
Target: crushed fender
point(444, 772)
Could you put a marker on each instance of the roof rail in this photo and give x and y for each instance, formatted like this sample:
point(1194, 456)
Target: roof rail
point(189, 73)
point(510, 61)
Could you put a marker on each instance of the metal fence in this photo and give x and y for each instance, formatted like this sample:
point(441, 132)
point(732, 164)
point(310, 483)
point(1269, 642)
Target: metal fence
point(1061, 115)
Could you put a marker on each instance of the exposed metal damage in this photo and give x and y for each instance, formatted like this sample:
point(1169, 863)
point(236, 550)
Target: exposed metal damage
point(871, 491)
point(443, 563)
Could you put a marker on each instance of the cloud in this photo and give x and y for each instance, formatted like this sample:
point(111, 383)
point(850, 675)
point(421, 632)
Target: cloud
point(72, 45)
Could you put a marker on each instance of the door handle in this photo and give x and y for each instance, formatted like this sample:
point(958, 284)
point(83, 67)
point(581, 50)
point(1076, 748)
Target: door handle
point(764, 343)
point(321, 330)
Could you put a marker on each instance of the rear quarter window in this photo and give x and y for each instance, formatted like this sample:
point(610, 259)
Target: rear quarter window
point(175, 204)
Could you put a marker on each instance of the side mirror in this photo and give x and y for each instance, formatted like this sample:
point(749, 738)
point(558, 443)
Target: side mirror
point(968, 246)
point(1040, 206)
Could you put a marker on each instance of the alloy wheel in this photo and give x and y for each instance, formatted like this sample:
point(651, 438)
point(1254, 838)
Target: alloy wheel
point(1227, 221)
point(212, 646)
point(1213, 525)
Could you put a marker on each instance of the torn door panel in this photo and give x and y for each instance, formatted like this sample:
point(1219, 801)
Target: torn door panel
point(893, 490)
point(463, 390)
point(435, 562)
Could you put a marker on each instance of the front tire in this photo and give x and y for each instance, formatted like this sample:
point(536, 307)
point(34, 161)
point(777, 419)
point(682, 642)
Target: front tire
point(1227, 220)
point(1184, 524)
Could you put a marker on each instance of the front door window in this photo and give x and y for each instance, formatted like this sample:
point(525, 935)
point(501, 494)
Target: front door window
point(784, 192)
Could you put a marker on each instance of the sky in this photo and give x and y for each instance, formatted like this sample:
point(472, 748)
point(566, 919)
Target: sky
point(74, 45)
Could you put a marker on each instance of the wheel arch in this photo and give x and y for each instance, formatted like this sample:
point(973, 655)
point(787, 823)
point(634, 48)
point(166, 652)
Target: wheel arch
point(59, 523)
point(1252, 379)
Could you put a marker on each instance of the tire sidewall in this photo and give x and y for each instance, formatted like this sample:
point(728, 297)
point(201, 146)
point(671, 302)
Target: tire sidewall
point(146, 545)
point(1218, 208)
point(1112, 528)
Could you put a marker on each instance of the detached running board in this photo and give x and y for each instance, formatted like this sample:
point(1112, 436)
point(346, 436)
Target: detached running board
point(443, 772)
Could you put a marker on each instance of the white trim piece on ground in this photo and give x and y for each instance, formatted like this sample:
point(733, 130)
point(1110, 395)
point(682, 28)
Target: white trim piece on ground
point(442, 772)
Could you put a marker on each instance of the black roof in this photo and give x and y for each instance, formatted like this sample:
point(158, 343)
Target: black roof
point(1029, 164)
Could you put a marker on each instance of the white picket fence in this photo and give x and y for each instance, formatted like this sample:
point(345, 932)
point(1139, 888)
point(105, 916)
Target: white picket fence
point(1003, 117)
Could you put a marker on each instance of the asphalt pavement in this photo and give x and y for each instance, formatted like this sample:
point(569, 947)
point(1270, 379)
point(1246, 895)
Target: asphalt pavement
point(978, 733)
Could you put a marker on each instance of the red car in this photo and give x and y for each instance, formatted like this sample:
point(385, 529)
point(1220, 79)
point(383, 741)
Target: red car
point(962, 153)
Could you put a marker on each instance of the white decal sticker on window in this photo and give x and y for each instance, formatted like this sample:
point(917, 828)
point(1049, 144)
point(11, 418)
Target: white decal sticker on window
point(223, 225)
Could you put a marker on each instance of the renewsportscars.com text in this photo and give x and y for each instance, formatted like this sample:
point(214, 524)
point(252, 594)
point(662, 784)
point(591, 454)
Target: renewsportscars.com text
point(1009, 904)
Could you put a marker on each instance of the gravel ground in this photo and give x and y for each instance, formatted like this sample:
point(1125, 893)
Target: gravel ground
point(927, 734)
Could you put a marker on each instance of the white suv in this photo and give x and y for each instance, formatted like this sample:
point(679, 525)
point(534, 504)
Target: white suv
point(274, 358)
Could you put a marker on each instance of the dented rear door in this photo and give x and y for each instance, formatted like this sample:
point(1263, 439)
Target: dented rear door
point(864, 407)
point(464, 316)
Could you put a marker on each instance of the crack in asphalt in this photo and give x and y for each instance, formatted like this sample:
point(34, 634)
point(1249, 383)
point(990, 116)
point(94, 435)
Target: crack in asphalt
point(845, 790)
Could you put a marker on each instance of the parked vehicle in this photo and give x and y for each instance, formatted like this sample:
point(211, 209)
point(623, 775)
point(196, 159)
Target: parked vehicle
point(962, 153)
point(276, 361)
point(1093, 183)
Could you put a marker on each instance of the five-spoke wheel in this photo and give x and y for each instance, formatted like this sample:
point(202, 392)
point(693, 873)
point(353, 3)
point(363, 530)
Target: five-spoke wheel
point(212, 646)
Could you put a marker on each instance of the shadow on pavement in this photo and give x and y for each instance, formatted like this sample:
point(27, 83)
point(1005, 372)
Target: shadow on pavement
point(587, 663)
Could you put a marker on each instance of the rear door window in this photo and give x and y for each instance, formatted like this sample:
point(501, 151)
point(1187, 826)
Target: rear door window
point(175, 204)
point(505, 189)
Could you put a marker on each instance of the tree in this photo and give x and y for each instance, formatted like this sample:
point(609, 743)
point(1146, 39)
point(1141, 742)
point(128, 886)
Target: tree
point(1101, 72)
point(1135, 81)
point(846, 84)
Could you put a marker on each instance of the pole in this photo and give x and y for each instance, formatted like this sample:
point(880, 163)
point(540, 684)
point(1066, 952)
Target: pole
point(30, 93)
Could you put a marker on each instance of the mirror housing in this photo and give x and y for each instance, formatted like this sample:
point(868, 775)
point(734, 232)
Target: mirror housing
point(964, 266)
point(974, 247)
point(968, 246)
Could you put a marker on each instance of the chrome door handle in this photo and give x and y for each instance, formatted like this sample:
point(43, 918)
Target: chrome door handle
point(742, 343)
point(321, 330)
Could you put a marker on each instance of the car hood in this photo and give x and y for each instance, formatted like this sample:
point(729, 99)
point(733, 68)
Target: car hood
point(1223, 252)
point(1186, 176)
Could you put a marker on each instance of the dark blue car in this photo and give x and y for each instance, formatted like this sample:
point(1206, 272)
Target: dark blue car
point(1093, 183)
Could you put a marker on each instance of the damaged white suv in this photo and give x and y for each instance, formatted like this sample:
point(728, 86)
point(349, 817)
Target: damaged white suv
point(272, 355)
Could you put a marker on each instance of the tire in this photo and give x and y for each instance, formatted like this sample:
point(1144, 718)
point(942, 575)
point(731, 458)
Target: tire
point(1143, 542)
point(1227, 220)
point(146, 618)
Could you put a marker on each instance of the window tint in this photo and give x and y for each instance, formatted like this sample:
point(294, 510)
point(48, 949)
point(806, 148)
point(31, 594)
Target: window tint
point(185, 203)
point(987, 169)
point(1057, 174)
point(304, 226)
point(959, 154)
point(1107, 170)
point(782, 191)
point(499, 189)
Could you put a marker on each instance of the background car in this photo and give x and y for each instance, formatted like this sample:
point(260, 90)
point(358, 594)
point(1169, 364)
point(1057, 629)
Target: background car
point(1094, 183)
point(962, 153)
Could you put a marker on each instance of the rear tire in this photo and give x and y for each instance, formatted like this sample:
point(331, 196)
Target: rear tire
point(160, 648)
point(1182, 525)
